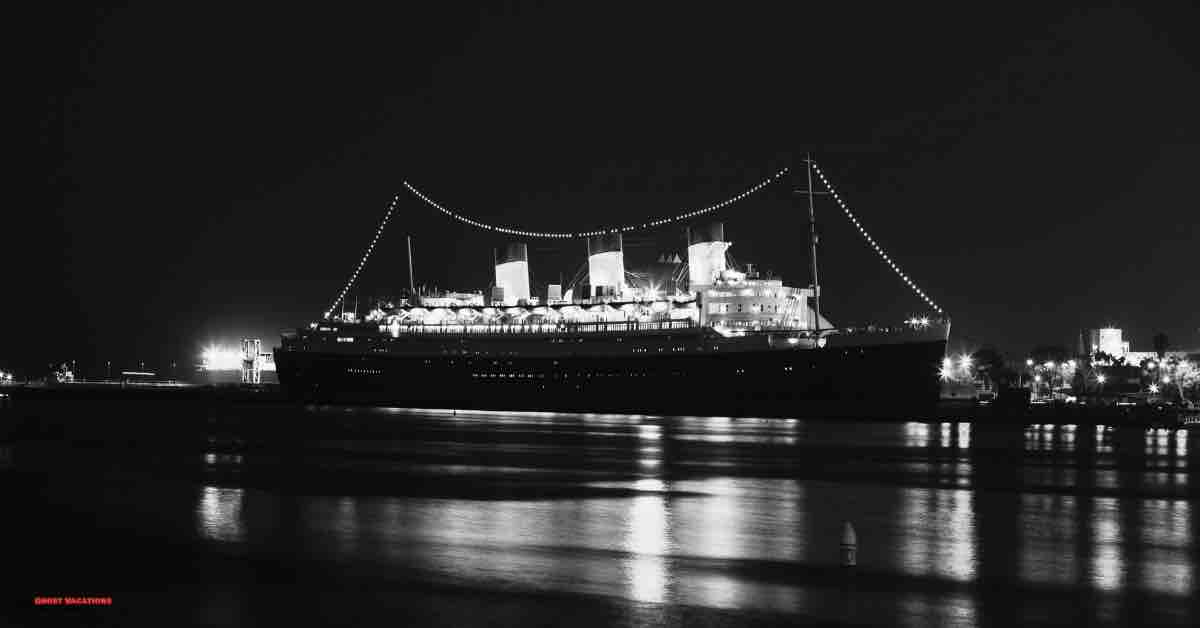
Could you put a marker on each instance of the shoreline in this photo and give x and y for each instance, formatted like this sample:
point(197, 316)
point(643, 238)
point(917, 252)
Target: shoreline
point(19, 397)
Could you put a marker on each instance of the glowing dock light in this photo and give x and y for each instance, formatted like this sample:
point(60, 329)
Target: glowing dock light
point(1154, 389)
point(215, 358)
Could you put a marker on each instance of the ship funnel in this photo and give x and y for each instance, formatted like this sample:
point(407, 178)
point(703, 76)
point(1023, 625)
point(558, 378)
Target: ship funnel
point(606, 264)
point(706, 253)
point(512, 273)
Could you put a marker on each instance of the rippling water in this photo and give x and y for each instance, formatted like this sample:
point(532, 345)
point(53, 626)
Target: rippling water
point(654, 519)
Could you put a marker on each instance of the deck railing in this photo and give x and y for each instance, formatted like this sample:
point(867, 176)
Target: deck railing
point(544, 328)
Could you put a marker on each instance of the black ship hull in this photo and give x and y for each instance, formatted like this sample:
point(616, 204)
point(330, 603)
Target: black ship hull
point(886, 380)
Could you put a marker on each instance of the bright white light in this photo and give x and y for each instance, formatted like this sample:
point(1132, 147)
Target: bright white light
point(1071, 363)
point(1029, 362)
point(1166, 379)
point(1101, 378)
point(947, 363)
point(216, 358)
point(1154, 388)
point(965, 361)
point(1049, 364)
point(924, 321)
point(1037, 378)
point(1151, 366)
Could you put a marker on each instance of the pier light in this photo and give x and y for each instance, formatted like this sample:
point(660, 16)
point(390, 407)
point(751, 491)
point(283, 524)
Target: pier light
point(1100, 378)
point(1154, 389)
point(1029, 362)
point(1166, 379)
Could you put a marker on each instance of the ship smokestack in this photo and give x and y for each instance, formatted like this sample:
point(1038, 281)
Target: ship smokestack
point(706, 253)
point(512, 273)
point(606, 264)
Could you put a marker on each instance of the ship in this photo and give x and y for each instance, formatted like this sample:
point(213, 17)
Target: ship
point(706, 339)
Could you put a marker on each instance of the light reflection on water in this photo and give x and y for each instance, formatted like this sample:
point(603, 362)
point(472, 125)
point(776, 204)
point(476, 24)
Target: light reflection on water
point(1048, 539)
point(916, 434)
point(219, 514)
point(1167, 535)
point(685, 528)
point(215, 459)
point(943, 538)
point(647, 541)
point(1108, 565)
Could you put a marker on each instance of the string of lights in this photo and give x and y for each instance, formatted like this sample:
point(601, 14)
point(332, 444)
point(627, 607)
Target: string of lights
point(875, 245)
point(645, 225)
point(584, 234)
point(366, 255)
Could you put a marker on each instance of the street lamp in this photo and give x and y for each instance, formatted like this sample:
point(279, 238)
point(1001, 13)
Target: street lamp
point(964, 361)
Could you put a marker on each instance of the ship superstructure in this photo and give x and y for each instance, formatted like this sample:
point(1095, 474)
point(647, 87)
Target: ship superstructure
point(731, 342)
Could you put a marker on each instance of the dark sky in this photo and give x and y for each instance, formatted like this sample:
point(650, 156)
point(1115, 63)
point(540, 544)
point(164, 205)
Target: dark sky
point(206, 173)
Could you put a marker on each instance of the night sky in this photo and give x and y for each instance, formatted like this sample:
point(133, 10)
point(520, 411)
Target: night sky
point(207, 173)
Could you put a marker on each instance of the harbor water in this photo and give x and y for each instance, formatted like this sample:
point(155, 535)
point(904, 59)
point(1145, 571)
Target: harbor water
point(254, 513)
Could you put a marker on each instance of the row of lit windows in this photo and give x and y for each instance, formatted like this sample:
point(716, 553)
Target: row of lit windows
point(736, 371)
point(366, 371)
point(578, 375)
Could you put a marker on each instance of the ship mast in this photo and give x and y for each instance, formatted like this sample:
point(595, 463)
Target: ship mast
point(411, 289)
point(812, 233)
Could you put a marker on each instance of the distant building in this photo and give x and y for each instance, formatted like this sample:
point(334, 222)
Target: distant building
point(1136, 357)
point(1106, 340)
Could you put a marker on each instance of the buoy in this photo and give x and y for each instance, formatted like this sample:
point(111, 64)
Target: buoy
point(849, 545)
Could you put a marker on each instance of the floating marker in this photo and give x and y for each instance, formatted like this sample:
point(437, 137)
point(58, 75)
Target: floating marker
point(849, 545)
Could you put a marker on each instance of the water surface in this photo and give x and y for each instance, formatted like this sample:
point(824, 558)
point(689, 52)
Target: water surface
point(472, 516)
